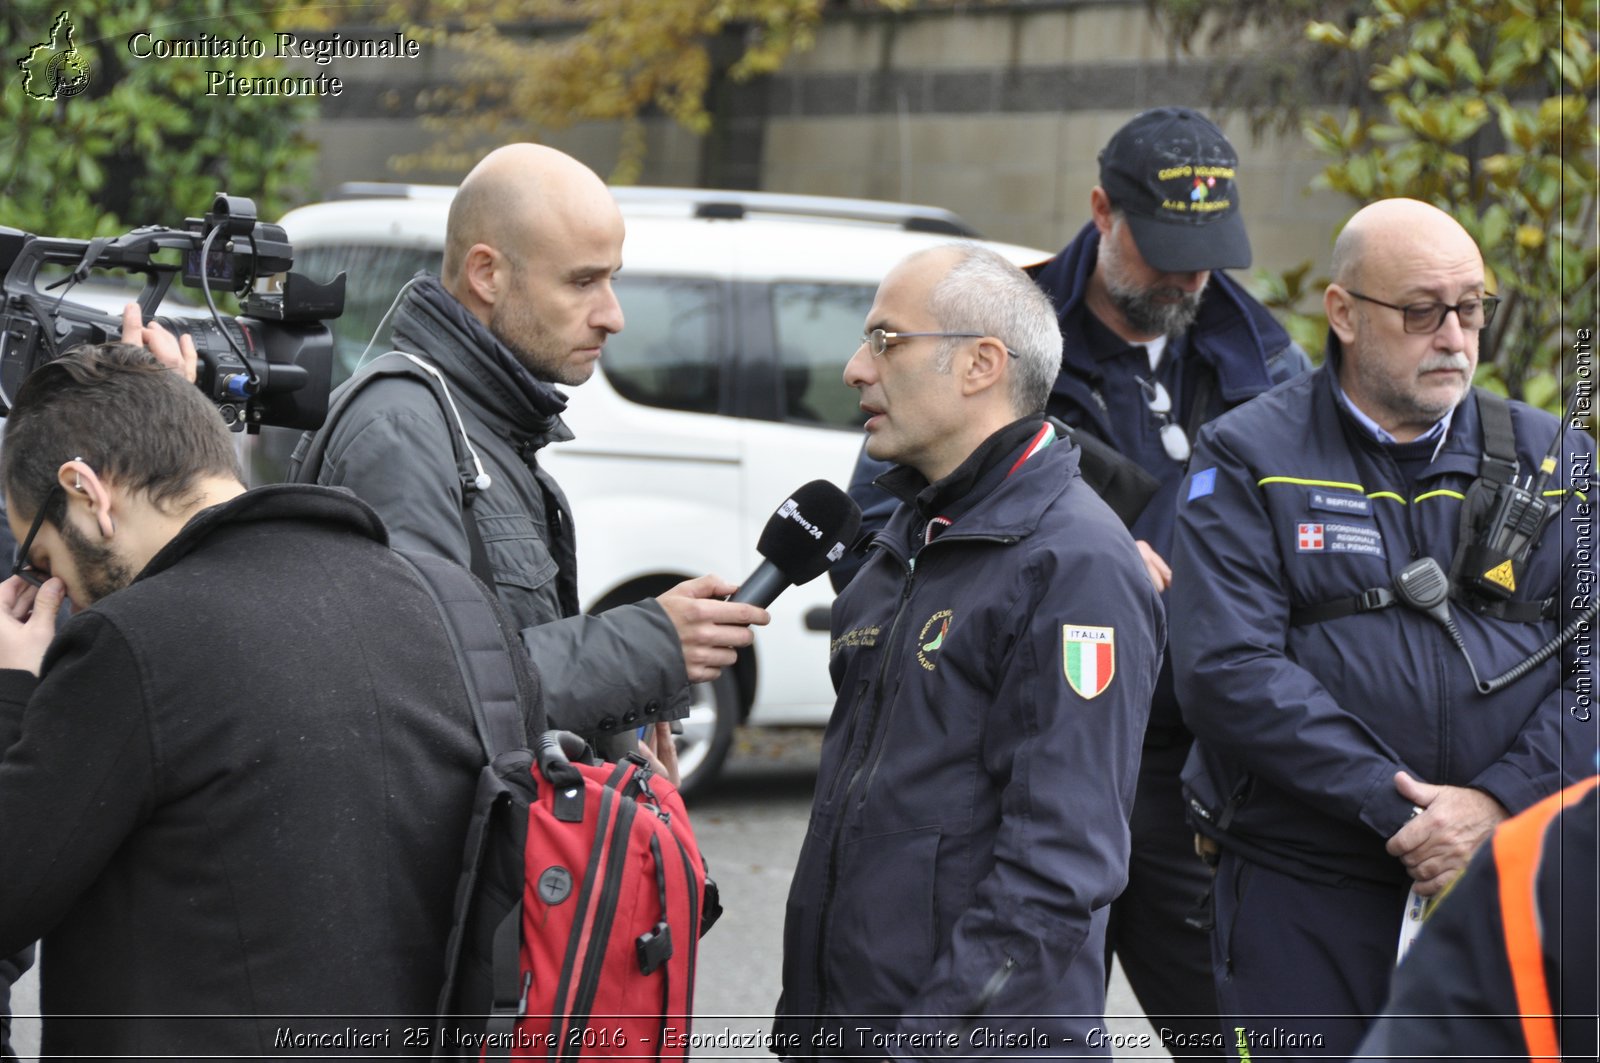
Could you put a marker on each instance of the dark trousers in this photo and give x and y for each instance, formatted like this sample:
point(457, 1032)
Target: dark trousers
point(1167, 961)
point(1301, 967)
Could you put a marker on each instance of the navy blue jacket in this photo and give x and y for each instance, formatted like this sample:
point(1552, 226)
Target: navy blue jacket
point(970, 820)
point(1290, 504)
point(1234, 336)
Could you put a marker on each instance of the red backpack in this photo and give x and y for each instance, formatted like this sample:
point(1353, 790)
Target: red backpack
point(583, 894)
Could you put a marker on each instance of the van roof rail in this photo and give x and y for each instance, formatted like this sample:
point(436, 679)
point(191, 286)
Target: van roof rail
point(716, 203)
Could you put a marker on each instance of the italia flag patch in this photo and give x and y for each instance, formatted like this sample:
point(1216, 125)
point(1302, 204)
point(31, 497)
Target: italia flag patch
point(1088, 656)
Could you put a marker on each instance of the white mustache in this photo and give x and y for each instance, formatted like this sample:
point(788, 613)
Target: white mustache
point(1457, 361)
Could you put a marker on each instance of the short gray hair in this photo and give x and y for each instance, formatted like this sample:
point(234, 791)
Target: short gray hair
point(984, 292)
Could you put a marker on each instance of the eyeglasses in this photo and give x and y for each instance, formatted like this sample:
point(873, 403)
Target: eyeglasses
point(877, 341)
point(1174, 440)
point(21, 566)
point(1423, 318)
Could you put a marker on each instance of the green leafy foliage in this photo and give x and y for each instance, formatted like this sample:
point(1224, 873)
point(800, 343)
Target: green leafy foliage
point(143, 139)
point(1487, 110)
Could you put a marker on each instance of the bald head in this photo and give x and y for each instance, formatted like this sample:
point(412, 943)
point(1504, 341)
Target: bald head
point(531, 245)
point(1406, 303)
point(513, 199)
point(1394, 228)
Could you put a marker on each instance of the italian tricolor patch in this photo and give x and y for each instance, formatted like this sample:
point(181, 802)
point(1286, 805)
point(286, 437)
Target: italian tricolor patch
point(1088, 656)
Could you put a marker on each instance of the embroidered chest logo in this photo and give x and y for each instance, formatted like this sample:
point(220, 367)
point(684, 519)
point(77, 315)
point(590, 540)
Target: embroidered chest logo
point(931, 640)
point(1089, 658)
point(1331, 537)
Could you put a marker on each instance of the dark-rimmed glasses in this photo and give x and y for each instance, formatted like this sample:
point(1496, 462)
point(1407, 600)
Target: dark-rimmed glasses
point(20, 565)
point(1174, 440)
point(877, 341)
point(1422, 318)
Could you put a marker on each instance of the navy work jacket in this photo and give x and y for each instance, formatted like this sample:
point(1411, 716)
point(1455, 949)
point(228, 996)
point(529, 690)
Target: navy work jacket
point(970, 819)
point(1235, 339)
point(1289, 504)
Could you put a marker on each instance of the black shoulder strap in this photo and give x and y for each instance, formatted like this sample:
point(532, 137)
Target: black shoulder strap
point(1202, 387)
point(1499, 461)
point(500, 685)
point(306, 462)
point(1497, 465)
point(1119, 480)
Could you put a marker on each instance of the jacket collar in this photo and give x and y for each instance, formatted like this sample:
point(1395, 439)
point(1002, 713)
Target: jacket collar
point(1463, 443)
point(293, 502)
point(432, 324)
point(1233, 333)
point(981, 496)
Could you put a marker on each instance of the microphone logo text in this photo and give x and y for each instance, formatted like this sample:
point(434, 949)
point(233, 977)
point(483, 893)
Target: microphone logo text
point(791, 510)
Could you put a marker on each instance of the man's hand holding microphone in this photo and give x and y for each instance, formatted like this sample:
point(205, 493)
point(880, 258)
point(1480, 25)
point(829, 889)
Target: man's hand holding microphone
point(810, 531)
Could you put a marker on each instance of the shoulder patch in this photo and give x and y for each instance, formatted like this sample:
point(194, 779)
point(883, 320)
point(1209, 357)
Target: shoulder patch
point(1088, 658)
point(1202, 483)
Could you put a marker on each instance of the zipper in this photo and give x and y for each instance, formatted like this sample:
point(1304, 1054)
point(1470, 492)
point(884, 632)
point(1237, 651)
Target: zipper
point(1440, 669)
point(877, 753)
point(857, 711)
point(892, 654)
point(831, 881)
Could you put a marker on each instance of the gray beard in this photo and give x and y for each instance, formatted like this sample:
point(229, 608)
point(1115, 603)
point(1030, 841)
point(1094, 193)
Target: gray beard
point(1151, 316)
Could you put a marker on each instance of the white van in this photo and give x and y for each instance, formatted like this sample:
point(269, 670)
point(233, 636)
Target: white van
point(722, 394)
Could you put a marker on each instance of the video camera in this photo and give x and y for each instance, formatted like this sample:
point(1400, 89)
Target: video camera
point(270, 366)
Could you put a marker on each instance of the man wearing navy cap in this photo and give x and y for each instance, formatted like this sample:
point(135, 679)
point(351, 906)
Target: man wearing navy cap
point(1157, 342)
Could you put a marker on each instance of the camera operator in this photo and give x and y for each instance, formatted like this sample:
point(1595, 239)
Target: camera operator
point(235, 784)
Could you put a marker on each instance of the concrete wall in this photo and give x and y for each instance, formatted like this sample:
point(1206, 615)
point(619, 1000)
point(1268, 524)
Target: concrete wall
point(995, 113)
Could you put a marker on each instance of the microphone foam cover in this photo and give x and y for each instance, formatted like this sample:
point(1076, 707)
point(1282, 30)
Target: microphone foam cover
point(811, 530)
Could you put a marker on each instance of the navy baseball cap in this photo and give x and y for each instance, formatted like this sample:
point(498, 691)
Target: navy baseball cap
point(1172, 174)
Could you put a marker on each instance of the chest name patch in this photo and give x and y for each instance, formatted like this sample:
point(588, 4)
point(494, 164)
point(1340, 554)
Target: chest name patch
point(1331, 538)
point(1338, 502)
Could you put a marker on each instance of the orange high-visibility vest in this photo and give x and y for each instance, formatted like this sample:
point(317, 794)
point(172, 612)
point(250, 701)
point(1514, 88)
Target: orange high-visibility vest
point(1518, 850)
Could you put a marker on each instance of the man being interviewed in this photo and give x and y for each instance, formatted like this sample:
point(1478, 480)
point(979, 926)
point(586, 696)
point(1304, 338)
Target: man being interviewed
point(993, 660)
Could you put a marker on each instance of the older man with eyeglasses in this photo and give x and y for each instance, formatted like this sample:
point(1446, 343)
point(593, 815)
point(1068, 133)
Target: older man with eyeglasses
point(1343, 608)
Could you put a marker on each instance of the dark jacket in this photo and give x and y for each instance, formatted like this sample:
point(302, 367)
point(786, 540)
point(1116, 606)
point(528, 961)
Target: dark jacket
point(240, 789)
point(1240, 347)
point(1290, 504)
point(1235, 342)
point(970, 820)
point(393, 447)
point(1456, 995)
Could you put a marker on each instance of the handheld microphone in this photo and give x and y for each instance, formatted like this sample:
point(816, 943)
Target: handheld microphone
point(810, 531)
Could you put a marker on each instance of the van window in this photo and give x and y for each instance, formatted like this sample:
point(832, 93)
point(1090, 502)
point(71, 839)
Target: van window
point(375, 274)
point(669, 352)
point(819, 328)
